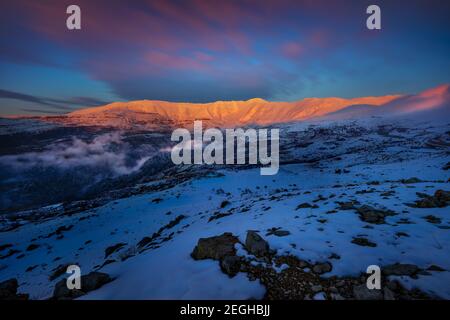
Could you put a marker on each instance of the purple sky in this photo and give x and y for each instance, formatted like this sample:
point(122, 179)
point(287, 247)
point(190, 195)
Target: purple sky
point(206, 50)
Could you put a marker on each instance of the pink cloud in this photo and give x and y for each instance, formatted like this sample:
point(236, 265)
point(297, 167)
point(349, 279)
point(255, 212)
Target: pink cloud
point(292, 50)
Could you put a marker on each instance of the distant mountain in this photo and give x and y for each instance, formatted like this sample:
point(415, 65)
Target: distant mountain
point(148, 114)
point(151, 114)
point(434, 102)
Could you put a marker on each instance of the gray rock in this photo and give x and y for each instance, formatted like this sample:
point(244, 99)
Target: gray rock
point(89, 282)
point(363, 242)
point(321, 268)
point(361, 292)
point(336, 296)
point(372, 215)
point(256, 245)
point(110, 250)
point(281, 233)
point(8, 290)
point(388, 294)
point(230, 265)
point(215, 247)
point(316, 288)
point(400, 269)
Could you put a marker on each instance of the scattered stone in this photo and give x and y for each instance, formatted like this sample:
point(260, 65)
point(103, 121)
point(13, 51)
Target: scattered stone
point(361, 292)
point(349, 205)
point(110, 250)
point(440, 199)
point(303, 206)
point(256, 245)
point(334, 256)
point(434, 267)
point(219, 215)
point(399, 269)
point(9, 253)
point(316, 288)
point(8, 290)
point(89, 282)
point(230, 265)
point(411, 180)
point(215, 247)
point(59, 270)
point(5, 246)
point(32, 247)
point(388, 294)
point(31, 268)
point(321, 268)
point(363, 242)
point(372, 215)
point(432, 219)
point(401, 234)
point(224, 203)
point(277, 232)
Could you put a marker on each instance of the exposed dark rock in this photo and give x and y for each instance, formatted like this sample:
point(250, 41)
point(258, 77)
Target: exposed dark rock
point(149, 240)
point(277, 232)
point(363, 242)
point(303, 206)
point(321, 268)
point(399, 269)
point(361, 292)
point(411, 180)
point(440, 199)
point(219, 215)
point(215, 247)
point(372, 215)
point(255, 244)
point(31, 268)
point(349, 205)
point(434, 267)
point(89, 282)
point(432, 219)
point(230, 265)
point(59, 270)
point(110, 250)
point(5, 246)
point(224, 203)
point(8, 290)
point(9, 253)
point(32, 247)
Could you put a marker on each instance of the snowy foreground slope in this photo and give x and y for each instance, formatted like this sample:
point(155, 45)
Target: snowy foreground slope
point(313, 215)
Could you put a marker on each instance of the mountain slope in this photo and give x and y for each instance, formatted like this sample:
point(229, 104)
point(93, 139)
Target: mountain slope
point(146, 113)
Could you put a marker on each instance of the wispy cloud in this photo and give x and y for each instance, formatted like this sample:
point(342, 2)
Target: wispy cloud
point(57, 104)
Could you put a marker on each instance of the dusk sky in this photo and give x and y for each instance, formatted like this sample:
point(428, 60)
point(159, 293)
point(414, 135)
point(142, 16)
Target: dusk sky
point(201, 51)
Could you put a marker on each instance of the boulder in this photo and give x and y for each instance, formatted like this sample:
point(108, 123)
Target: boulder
point(230, 265)
point(8, 290)
point(400, 269)
point(256, 245)
point(215, 247)
point(372, 215)
point(321, 268)
point(361, 292)
point(440, 199)
point(89, 282)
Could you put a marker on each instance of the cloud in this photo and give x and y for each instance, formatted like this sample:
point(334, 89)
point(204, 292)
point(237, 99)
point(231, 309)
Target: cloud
point(292, 50)
point(107, 152)
point(59, 104)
